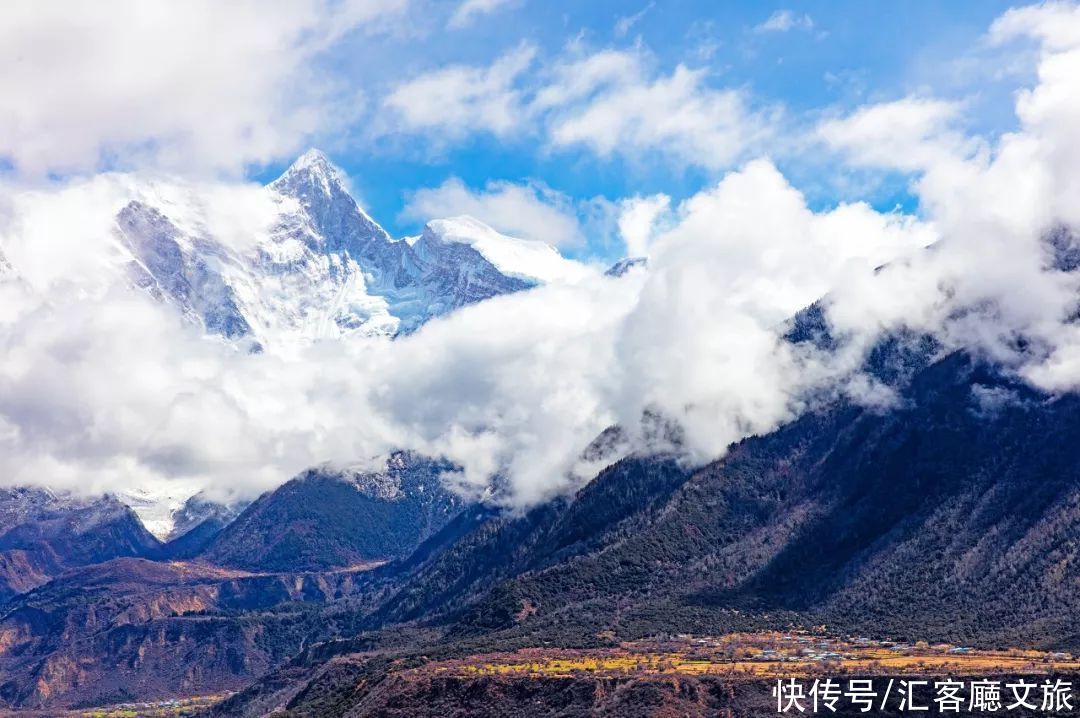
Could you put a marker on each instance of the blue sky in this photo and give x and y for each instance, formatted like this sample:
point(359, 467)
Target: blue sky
point(541, 118)
point(827, 58)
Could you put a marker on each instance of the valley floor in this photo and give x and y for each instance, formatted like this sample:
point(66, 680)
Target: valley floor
point(753, 656)
point(731, 675)
point(674, 673)
point(174, 708)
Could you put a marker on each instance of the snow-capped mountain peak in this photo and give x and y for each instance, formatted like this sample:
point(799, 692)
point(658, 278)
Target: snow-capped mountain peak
point(627, 265)
point(321, 267)
point(298, 261)
point(528, 259)
point(322, 191)
point(312, 168)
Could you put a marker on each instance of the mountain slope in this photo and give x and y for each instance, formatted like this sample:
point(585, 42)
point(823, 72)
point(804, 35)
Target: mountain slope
point(323, 269)
point(180, 270)
point(934, 520)
point(951, 517)
point(526, 259)
point(625, 266)
point(196, 524)
point(416, 281)
point(42, 535)
point(132, 629)
point(324, 520)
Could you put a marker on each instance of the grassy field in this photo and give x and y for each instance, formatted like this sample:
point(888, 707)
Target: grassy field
point(766, 655)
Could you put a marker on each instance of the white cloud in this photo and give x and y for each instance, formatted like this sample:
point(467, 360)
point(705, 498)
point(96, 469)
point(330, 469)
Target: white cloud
point(505, 385)
point(459, 99)
point(611, 102)
point(622, 109)
point(992, 284)
point(626, 22)
point(738, 259)
point(908, 134)
point(578, 79)
point(100, 388)
point(199, 85)
point(532, 211)
point(1055, 24)
point(104, 389)
point(469, 10)
point(637, 221)
point(785, 20)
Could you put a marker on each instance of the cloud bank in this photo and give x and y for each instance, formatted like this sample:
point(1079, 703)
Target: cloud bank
point(101, 388)
point(198, 86)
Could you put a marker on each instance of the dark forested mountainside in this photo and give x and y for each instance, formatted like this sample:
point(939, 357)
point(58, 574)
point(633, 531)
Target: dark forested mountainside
point(323, 520)
point(949, 517)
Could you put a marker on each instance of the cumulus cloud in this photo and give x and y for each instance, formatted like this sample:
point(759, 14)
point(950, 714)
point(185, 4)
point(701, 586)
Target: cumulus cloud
point(459, 99)
point(703, 342)
point(186, 86)
point(612, 102)
point(103, 388)
point(1055, 24)
point(511, 386)
point(637, 221)
point(532, 211)
point(1000, 282)
point(908, 134)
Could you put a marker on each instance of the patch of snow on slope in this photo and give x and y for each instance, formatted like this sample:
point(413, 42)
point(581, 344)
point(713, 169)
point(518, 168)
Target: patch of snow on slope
point(155, 506)
point(523, 258)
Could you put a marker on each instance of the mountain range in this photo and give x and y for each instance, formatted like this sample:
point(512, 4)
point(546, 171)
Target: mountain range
point(324, 268)
point(320, 268)
point(947, 515)
point(42, 534)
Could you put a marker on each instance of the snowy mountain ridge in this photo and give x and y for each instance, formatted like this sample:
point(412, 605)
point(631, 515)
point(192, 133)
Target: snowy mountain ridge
point(527, 259)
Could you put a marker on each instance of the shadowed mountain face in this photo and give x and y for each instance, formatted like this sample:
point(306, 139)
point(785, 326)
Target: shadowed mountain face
point(324, 520)
point(42, 534)
point(625, 266)
point(951, 517)
point(133, 629)
point(186, 275)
